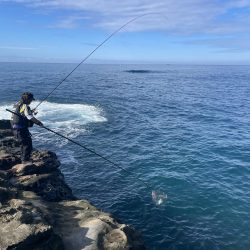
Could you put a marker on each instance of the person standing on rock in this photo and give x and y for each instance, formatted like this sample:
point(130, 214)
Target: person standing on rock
point(20, 124)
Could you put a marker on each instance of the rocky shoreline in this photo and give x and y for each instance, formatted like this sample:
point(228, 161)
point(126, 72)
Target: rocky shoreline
point(39, 211)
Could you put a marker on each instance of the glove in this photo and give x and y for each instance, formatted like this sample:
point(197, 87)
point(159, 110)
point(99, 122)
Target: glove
point(34, 112)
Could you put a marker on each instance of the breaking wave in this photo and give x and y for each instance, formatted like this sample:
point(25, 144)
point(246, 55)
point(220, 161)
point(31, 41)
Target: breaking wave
point(71, 119)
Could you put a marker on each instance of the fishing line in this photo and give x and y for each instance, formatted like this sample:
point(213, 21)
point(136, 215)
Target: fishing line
point(157, 196)
point(116, 31)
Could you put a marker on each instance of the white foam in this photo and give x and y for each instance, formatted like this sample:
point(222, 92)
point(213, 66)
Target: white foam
point(69, 119)
point(3, 113)
point(62, 114)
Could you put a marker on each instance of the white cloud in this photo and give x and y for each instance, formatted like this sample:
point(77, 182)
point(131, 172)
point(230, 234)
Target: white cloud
point(70, 22)
point(180, 17)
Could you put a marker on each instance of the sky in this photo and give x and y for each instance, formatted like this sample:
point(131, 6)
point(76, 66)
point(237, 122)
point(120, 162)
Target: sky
point(166, 31)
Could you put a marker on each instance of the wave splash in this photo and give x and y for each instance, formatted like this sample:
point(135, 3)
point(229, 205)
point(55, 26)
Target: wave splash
point(71, 119)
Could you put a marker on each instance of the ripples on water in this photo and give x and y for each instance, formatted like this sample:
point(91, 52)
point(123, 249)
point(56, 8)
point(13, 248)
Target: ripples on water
point(183, 129)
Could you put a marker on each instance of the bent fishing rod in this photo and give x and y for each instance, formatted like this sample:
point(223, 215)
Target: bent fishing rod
point(92, 151)
point(116, 31)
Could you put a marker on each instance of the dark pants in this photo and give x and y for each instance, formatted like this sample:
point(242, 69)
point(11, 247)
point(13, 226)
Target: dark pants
point(24, 138)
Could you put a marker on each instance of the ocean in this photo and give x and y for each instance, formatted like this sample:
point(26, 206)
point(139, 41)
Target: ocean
point(183, 129)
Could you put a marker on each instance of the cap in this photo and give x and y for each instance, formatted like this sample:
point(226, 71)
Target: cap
point(28, 95)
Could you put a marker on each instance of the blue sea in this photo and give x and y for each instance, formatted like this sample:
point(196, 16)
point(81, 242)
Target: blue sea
point(183, 129)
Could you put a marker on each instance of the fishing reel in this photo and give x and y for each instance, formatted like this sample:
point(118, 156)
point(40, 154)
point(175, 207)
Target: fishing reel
point(34, 112)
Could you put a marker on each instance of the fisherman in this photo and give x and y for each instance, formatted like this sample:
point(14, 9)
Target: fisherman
point(21, 123)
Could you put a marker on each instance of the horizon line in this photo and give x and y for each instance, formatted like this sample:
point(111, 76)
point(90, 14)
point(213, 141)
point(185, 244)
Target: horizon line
point(114, 62)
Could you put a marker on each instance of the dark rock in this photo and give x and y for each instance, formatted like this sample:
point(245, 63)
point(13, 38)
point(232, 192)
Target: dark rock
point(134, 238)
point(24, 169)
point(9, 142)
point(11, 150)
point(5, 188)
point(51, 187)
point(5, 124)
point(8, 160)
point(43, 155)
point(45, 160)
point(39, 167)
point(5, 133)
point(4, 194)
point(5, 175)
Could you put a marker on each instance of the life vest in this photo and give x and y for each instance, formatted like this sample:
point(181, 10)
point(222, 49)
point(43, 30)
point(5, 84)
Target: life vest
point(20, 120)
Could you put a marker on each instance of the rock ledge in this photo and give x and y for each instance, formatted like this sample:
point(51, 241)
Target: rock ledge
point(38, 210)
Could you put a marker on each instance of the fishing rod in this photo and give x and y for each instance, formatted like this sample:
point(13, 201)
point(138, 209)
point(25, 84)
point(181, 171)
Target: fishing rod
point(116, 31)
point(90, 150)
point(158, 197)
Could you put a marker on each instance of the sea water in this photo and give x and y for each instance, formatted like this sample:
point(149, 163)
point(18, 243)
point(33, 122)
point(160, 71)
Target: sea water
point(184, 130)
